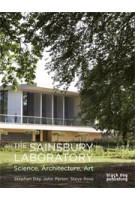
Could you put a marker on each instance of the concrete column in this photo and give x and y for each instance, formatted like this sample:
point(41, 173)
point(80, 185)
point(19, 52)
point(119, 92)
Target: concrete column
point(52, 109)
point(63, 109)
point(41, 135)
point(41, 108)
point(21, 116)
point(33, 137)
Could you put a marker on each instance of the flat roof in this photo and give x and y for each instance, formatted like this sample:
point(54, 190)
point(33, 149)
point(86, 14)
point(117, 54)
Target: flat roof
point(35, 88)
point(48, 127)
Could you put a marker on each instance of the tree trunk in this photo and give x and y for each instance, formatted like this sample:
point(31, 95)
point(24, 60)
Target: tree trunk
point(124, 137)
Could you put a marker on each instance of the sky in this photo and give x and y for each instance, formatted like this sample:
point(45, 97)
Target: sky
point(45, 80)
point(42, 78)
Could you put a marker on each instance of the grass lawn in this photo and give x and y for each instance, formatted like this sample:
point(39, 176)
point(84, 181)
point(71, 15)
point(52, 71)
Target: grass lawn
point(96, 178)
point(8, 158)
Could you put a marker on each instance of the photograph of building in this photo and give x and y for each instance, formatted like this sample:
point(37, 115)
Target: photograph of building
point(67, 91)
point(43, 109)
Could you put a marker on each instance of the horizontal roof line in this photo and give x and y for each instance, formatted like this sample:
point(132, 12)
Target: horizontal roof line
point(34, 87)
point(49, 127)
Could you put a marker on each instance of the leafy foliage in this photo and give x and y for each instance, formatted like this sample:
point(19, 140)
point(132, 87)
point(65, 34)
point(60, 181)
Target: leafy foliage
point(35, 132)
point(82, 136)
point(3, 132)
point(98, 48)
point(17, 60)
point(58, 134)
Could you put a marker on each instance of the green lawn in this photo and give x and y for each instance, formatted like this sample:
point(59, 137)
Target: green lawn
point(8, 158)
point(100, 164)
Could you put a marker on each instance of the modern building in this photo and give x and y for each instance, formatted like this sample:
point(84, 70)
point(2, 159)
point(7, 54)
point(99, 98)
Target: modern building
point(45, 110)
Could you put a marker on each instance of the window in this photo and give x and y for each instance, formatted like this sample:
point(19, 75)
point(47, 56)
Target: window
point(3, 102)
point(28, 104)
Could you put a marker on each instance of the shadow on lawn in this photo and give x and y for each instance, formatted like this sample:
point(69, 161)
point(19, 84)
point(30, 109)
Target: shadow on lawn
point(69, 179)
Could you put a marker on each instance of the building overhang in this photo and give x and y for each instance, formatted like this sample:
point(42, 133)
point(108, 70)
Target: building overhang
point(10, 126)
point(36, 88)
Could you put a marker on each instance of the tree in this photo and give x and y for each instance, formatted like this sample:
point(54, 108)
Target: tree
point(58, 135)
point(17, 58)
point(35, 132)
point(98, 48)
point(3, 132)
point(82, 136)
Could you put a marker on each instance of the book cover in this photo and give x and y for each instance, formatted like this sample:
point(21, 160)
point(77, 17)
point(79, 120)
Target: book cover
point(66, 165)
point(54, 135)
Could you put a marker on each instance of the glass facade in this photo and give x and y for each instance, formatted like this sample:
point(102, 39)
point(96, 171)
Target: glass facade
point(28, 103)
point(69, 110)
point(69, 107)
point(48, 108)
point(3, 102)
point(46, 105)
point(31, 104)
point(58, 110)
point(39, 108)
point(3, 105)
point(31, 107)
